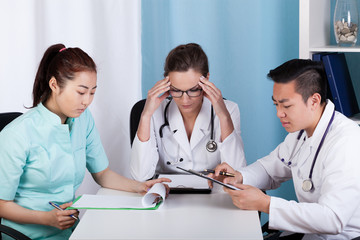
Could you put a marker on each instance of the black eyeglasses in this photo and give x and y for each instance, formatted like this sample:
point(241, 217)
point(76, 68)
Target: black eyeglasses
point(193, 92)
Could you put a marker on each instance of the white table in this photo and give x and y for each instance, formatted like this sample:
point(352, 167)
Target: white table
point(182, 216)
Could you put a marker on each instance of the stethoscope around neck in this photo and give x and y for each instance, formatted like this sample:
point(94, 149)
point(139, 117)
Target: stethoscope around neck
point(211, 145)
point(307, 184)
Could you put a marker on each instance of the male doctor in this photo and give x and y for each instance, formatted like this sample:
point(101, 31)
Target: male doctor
point(321, 154)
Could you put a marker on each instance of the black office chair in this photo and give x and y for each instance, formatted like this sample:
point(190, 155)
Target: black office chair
point(12, 233)
point(5, 119)
point(135, 115)
point(268, 233)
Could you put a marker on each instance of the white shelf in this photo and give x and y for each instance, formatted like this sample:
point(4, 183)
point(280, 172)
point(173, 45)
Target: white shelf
point(314, 29)
point(334, 48)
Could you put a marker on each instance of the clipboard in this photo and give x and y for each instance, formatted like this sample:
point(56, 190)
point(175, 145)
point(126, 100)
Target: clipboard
point(208, 178)
point(186, 184)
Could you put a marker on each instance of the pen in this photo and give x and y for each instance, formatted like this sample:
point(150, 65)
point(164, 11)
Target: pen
point(59, 208)
point(221, 173)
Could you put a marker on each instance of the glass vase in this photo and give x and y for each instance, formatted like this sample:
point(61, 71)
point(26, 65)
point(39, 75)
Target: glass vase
point(346, 22)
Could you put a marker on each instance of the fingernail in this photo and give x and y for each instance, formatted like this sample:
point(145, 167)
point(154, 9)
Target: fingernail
point(202, 77)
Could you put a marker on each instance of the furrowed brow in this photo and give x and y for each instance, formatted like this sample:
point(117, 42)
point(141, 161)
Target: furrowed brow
point(281, 100)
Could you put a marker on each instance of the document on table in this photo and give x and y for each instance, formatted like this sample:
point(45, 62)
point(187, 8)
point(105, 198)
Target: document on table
point(151, 200)
point(186, 183)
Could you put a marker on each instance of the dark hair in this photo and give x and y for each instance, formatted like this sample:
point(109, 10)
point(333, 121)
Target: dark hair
point(309, 77)
point(62, 64)
point(185, 57)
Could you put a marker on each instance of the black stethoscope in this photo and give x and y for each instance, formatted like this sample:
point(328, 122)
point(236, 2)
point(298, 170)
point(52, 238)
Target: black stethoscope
point(211, 145)
point(307, 184)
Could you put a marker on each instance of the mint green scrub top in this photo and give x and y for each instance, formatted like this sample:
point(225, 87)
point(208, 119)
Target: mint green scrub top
point(42, 160)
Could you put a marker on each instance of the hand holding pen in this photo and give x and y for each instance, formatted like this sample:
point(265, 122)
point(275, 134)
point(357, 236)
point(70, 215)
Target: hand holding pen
point(59, 208)
point(224, 167)
point(221, 173)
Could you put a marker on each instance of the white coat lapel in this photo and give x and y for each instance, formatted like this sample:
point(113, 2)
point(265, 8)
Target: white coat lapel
point(320, 129)
point(202, 124)
point(314, 141)
point(176, 125)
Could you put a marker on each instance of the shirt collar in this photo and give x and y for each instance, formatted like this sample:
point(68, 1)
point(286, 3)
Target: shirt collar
point(51, 117)
point(323, 123)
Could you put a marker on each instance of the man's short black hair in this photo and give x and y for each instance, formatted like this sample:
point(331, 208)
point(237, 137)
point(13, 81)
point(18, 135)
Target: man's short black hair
point(309, 77)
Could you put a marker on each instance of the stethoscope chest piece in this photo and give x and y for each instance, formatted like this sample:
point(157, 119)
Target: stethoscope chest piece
point(211, 146)
point(307, 185)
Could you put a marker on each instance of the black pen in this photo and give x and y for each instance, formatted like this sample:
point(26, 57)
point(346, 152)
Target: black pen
point(221, 173)
point(59, 208)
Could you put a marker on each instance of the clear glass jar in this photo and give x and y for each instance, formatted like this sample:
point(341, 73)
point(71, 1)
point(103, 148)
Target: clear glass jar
point(346, 22)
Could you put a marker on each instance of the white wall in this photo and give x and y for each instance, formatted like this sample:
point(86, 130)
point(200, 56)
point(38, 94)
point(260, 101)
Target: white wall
point(109, 31)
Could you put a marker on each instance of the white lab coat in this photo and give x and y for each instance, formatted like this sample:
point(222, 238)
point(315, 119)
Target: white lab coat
point(153, 155)
point(333, 207)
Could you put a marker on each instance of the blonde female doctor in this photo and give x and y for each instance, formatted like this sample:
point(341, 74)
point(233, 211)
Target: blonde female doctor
point(185, 121)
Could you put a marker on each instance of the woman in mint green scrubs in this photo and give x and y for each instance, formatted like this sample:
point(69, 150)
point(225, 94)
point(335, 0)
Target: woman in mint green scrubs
point(44, 152)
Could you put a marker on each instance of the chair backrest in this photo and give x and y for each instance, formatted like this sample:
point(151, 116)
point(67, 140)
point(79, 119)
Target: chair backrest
point(6, 118)
point(12, 233)
point(135, 115)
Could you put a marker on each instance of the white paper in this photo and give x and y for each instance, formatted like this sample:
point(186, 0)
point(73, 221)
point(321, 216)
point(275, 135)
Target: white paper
point(186, 181)
point(158, 190)
point(114, 201)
